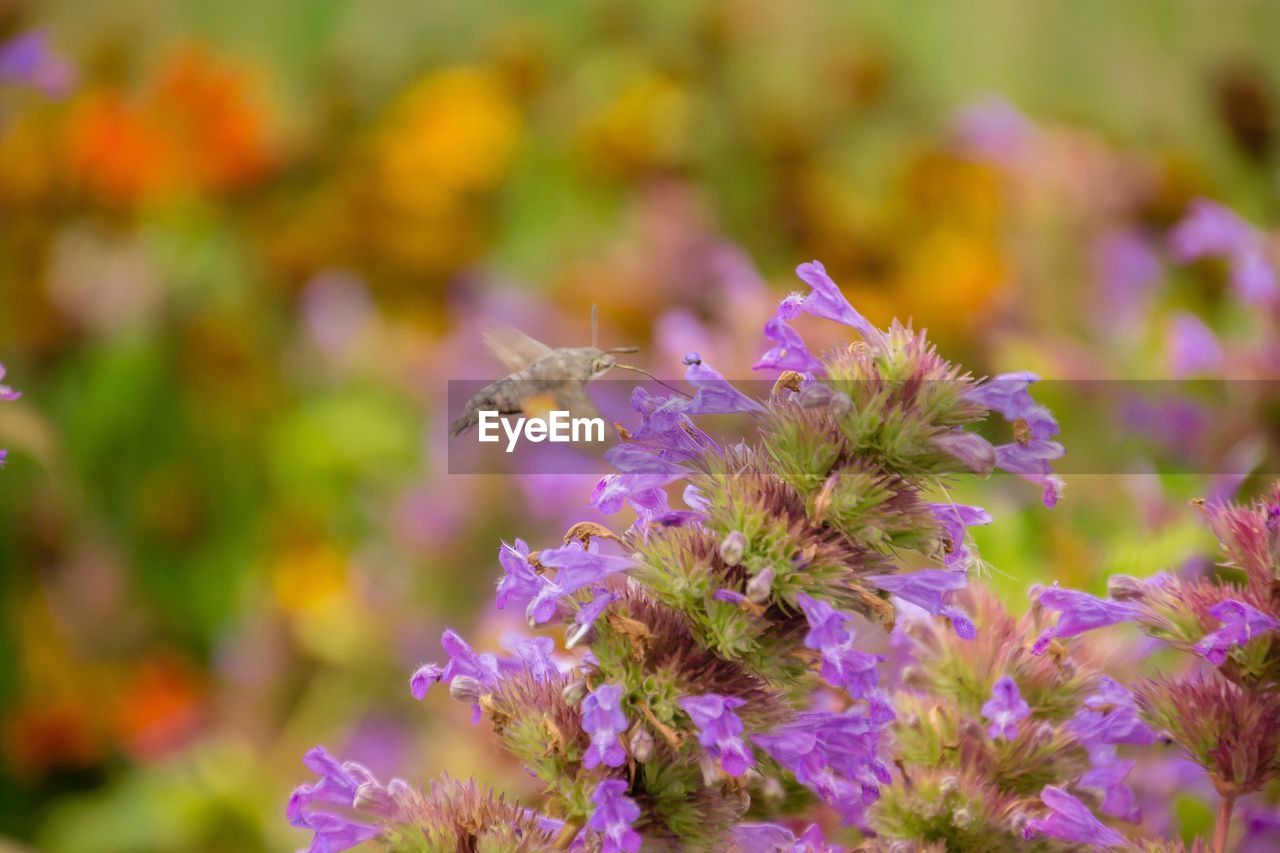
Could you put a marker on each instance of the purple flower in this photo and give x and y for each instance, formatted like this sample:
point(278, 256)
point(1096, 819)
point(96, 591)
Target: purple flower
point(1211, 229)
point(789, 351)
point(772, 838)
point(823, 300)
point(338, 786)
point(603, 719)
point(639, 471)
point(928, 589)
point(1127, 268)
point(1030, 461)
point(730, 596)
point(973, 451)
point(993, 130)
point(1240, 623)
point(1208, 229)
point(1110, 716)
point(719, 729)
point(843, 665)
point(835, 755)
point(715, 395)
point(1070, 820)
point(577, 568)
point(521, 583)
point(960, 622)
point(695, 500)
point(28, 59)
point(653, 509)
point(1005, 709)
point(826, 624)
point(1191, 348)
point(1008, 395)
point(1118, 799)
point(484, 668)
point(422, 679)
point(956, 519)
point(613, 816)
point(535, 654)
point(1029, 456)
point(1080, 612)
point(7, 394)
point(666, 428)
point(589, 613)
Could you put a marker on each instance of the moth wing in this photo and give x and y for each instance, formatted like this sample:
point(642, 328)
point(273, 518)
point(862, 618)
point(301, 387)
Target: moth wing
point(572, 397)
point(512, 347)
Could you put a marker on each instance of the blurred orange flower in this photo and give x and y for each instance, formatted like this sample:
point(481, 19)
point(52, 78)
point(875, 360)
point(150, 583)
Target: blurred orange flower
point(197, 129)
point(161, 706)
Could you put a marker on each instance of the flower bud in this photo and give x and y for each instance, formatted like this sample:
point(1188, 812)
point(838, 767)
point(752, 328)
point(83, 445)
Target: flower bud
point(733, 547)
point(464, 688)
point(641, 744)
point(949, 785)
point(405, 795)
point(760, 587)
point(1043, 734)
point(816, 395)
point(573, 692)
point(710, 772)
point(971, 450)
point(576, 632)
point(962, 817)
point(772, 791)
point(374, 799)
point(1125, 587)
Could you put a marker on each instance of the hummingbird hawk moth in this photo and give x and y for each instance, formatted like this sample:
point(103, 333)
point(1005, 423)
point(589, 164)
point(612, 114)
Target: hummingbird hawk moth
point(540, 372)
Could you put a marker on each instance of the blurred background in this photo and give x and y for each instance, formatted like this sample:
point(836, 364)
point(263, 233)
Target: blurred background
point(244, 245)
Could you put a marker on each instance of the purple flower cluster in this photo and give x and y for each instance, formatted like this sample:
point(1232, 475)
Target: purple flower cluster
point(669, 664)
point(835, 755)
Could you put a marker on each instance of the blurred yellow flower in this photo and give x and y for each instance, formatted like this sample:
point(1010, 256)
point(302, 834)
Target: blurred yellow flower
point(441, 147)
point(309, 577)
point(646, 126)
point(454, 131)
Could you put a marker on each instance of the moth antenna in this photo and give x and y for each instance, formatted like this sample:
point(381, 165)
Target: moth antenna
point(623, 349)
point(655, 379)
point(595, 323)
